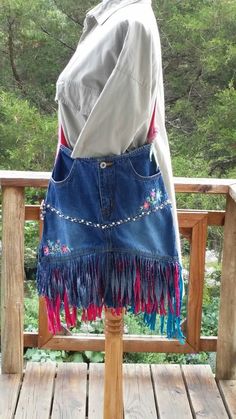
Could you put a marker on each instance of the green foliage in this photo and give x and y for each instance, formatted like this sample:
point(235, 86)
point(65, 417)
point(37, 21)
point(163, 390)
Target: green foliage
point(27, 138)
point(37, 38)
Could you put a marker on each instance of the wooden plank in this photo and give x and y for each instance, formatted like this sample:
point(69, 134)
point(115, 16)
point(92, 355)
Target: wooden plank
point(9, 389)
point(190, 219)
point(213, 217)
point(113, 383)
point(132, 343)
point(139, 402)
point(12, 280)
point(196, 282)
point(202, 185)
point(203, 393)
point(96, 391)
point(37, 390)
point(70, 391)
point(232, 191)
point(24, 178)
point(170, 392)
point(32, 212)
point(226, 346)
point(228, 393)
point(182, 184)
point(145, 343)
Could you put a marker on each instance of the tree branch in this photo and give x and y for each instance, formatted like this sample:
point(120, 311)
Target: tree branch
point(56, 39)
point(68, 15)
point(11, 53)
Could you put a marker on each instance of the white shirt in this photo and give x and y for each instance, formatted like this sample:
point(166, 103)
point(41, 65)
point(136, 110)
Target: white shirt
point(107, 92)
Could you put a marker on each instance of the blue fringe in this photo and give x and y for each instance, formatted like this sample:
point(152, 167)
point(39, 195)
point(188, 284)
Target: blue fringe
point(108, 278)
point(173, 323)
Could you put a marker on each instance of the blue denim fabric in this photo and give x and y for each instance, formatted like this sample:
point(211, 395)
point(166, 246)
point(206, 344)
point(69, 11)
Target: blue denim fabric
point(108, 240)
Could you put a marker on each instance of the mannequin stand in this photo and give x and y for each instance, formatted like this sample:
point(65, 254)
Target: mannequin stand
point(113, 379)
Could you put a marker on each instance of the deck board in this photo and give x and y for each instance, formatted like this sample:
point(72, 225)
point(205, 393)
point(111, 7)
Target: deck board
point(96, 387)
point(70, 391)
point(9, 390)
point(37, 391)
point(74, 390)
point(139, 402)
point(170, 392)
point(228, 393)
point(203, 392)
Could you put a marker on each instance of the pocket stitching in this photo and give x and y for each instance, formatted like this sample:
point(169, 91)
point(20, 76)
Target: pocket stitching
point(64, 181)
point(144, 178)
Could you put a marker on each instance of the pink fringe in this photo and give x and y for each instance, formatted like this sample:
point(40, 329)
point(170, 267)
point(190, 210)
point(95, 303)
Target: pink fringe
point(177, 291)
point(93, 312)
point(71, 318)
point(152, 128)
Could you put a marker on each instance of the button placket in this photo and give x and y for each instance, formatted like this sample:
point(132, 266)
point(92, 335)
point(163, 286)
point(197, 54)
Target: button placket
point(106, 187)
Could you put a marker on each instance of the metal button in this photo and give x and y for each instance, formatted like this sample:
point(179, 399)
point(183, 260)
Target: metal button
point(103, 165)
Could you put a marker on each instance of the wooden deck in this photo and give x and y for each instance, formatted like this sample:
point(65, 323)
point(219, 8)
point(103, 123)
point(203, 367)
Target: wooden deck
point(72, 390)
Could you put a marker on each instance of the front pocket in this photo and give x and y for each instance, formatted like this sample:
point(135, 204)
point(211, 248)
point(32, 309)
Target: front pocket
point(144, 169)
point(63, 168)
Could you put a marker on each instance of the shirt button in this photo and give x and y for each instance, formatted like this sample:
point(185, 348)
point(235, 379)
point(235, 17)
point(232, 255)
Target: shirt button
point(103, 165)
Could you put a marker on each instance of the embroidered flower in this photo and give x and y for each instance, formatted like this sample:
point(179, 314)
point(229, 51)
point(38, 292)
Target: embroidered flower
point(56, 248)
point(146, 205)
point(45, 250)
point(65, 248)
point(154, 199)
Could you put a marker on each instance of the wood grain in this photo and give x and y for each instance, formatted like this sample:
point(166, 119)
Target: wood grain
point(171, 396)
point(12, 279)
point(113, 375)
point(228, 393)
point(203, 392)
point(96, 396)
point(70, 391)
point(37, 391)
point(139, 402)
point(226, 345)
point(196, 282)
point(131, 343)
point(9, 390)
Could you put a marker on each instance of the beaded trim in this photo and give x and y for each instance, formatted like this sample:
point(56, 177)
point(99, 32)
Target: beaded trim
point(44, 207)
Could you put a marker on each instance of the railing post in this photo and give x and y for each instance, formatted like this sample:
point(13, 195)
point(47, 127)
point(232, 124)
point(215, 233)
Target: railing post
point(226, 344)
point(12, 279)
point(113, 377)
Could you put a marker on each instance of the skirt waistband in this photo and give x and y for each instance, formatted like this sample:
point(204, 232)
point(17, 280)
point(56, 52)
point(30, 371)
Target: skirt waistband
point(139, 151)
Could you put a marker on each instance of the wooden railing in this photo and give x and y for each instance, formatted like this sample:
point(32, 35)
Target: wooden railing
point(193, 225)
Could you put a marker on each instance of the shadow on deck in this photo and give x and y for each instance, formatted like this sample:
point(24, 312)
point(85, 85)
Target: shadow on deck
point(71, 390)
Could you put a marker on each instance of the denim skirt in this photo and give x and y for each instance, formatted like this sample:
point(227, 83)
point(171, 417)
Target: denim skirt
point(108, 241)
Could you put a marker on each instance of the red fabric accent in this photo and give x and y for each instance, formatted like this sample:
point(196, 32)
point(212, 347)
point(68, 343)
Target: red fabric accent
point(61, 140)
point(53, 315)
point(91, 313)
point(70, 317)
point(152, 128)
point(137, 288)
point(177, 291)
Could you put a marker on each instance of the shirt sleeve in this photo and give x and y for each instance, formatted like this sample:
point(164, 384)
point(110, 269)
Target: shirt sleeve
point(126, 101)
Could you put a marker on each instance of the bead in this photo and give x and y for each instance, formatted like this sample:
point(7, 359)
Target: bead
point(98, 225)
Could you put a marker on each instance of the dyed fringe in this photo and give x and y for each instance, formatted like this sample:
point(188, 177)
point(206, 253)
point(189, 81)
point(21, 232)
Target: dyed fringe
point(94, 282)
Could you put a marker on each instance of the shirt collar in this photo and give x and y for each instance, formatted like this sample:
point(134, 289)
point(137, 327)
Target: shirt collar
point(106, 8)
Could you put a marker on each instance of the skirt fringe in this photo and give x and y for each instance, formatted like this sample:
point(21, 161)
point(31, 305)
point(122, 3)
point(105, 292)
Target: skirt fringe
point(116, 280)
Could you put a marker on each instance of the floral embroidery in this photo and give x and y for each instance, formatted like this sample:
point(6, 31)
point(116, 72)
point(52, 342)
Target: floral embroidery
point(152, 200)
point(55, 248)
